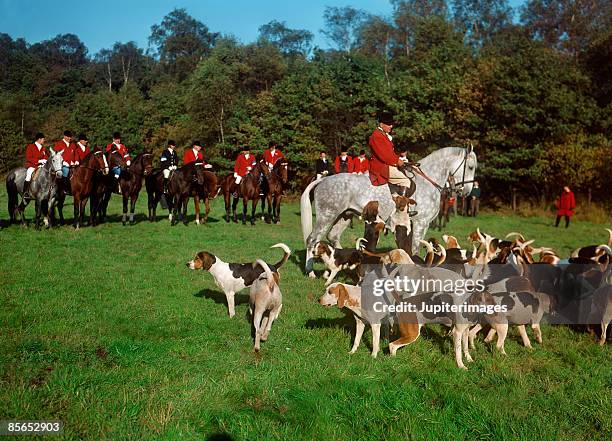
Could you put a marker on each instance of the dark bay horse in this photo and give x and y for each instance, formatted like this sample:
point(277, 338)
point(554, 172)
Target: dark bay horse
point(248, 190)
point(204, 186)
point(131, 183)
point(274, 185)
point(82, 182)
point(104, 185)
point(43, 189)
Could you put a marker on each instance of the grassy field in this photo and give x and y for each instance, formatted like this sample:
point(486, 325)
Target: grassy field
point(107, 330)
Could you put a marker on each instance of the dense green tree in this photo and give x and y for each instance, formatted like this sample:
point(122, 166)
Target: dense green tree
point(288, 41)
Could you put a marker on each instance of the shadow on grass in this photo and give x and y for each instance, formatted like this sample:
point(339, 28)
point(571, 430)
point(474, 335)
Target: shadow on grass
point(219, 297)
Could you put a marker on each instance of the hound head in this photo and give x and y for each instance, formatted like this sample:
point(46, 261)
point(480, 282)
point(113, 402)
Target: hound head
point(203, 260)
point(337, 294)
point(450, 241)
point(402, 203)
point(322, 249)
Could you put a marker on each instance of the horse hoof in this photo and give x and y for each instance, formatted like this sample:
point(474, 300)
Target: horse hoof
point(268, 221)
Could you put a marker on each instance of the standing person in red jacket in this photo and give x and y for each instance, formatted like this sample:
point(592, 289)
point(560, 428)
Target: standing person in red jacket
point(384, 162)
point(361, 164)
point(36, 156)
point(123, 151)
point(244, 164)
point(344, 163)
point(565, 206)
point(272, 155)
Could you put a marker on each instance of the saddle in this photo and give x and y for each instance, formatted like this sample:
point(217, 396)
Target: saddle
point(36, 173)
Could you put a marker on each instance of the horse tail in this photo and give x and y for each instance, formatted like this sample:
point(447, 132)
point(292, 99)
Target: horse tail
point(306, 210)
point(285, 257)
point(13, 193)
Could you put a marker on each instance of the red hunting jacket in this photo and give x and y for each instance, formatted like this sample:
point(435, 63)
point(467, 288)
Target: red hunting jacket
point(242, 163)
point(566, 204)
point(77, 154)
point(361, 166)
point(123, 151)
point(61, 147)
point(33, 155)
point(272, 159)
point(190, 156)
point(350, 164)
point(382, 157)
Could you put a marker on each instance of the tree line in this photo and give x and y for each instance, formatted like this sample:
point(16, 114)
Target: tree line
point(531, 89)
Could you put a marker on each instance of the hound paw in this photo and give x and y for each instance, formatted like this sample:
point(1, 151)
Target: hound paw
point(312, 275)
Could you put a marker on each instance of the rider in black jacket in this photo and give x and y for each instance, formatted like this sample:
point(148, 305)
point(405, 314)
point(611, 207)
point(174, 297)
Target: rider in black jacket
point(169, 162)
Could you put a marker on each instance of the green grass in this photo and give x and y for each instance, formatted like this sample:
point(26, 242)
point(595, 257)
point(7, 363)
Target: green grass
point(106, 329)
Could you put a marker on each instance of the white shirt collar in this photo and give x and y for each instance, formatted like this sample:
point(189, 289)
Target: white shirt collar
point(82, 146)
point(66, 142)
point(38, 145)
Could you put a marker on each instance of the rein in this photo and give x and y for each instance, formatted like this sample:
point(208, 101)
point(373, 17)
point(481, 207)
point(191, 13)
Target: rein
point(450, 179)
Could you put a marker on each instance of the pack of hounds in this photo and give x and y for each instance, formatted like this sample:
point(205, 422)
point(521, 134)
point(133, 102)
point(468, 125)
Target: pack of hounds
point(531, 280)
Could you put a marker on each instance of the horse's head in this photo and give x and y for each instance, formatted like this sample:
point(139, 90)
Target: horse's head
point(99, 161)
point(281, 168)
point(147, 162)
point(200, 174)
point(115, 159)
point(463, 170)
point(54, 164)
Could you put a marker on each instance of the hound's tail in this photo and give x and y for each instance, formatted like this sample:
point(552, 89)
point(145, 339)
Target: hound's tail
point(285, 257)
point(268, 271)
point(306, 209)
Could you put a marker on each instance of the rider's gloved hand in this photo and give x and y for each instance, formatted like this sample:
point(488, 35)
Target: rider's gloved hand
point(128, 162)
point(400, 163)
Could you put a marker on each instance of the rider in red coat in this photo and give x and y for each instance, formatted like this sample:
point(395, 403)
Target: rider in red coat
point(344, 163)
point(244, 164)
point(36, 156)
point(272, 155)
point(194, 154)
point(565, 206)
point(64, 144)
point(384, 162)
point(123, 151)
point(361, 165)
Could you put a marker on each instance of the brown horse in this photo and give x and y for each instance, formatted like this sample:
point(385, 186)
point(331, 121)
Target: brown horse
point(443, 214)
point(82, 182)
point(275, 182)
point(103, 186)
point(248, 190)
point(131, 182)
point(154, 183)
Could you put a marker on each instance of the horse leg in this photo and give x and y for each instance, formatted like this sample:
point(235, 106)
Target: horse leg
point(207, 205)
point(270, 217)
point(337, 229)
point(125, 207)
point(418, 230)
point(196, 202)
point(184, 214)
point(263, 209)
point(244, 210)
point(277, 205)
point(134, 198)
point(82, 209)
point(38, 214)
point(61, 198)
point(226, 201)
point(234, 206)
point(253, 210)
point(77, 203)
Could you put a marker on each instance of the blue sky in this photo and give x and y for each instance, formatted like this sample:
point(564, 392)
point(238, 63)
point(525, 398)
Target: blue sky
point(99, 24)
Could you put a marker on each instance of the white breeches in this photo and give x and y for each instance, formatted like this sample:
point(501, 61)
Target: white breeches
point(29, 173)
point(238, 178)
point(166, 173)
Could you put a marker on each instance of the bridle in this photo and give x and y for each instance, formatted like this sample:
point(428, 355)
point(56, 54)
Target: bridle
point(451, 176)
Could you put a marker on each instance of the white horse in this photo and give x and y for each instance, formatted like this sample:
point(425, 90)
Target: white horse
point(334, 195)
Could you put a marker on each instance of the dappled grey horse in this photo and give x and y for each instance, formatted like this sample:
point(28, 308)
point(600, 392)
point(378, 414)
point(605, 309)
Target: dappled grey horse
point(43, 189)
point(334, 195)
